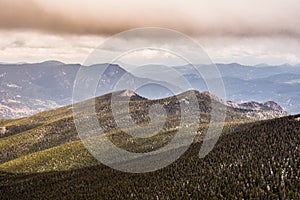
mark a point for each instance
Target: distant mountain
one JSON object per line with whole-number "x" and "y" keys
{"x": 30, "y": 88}
{"x": 254, "y": 83}
{"x": 26, "y": 89}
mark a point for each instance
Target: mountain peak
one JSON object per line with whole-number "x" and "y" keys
{"x": 274, "y": 106}
{"x": 52, "y": 62}
{"x": 127, "y": 93}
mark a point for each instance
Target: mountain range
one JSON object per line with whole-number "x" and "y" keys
{"x": 27, "y": 89}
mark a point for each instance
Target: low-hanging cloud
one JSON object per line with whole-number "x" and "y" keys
{"x": 208, "y": 18}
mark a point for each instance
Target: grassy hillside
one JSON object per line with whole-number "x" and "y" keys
{"x": 42, "y": 157}
{"x": 44, "y": 136}
{"x": 258, "y": 161}
{"x": 56, "y": 127}
{"x": 71, "y": 155}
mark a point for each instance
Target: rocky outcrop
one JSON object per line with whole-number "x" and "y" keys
{"x": 3, "y": 130}
{"x": 274, "y": 106}
{"x": 260, "y": 111}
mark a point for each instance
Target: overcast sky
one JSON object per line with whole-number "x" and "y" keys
{"x": 244, "y": 31}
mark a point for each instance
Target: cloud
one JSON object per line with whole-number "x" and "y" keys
{"x": 197, "y": 18}
{"x": 36, "y": 47}
{"x": 22, "y": 46}
{"x": 28, "y": 14}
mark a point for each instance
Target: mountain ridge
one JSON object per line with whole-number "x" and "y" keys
{"x": 30, "y": 88}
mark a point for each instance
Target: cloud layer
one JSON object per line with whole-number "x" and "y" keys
{"x": 200, "y": 18}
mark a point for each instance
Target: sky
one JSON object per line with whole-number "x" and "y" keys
{"x": 244, "y": 31}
